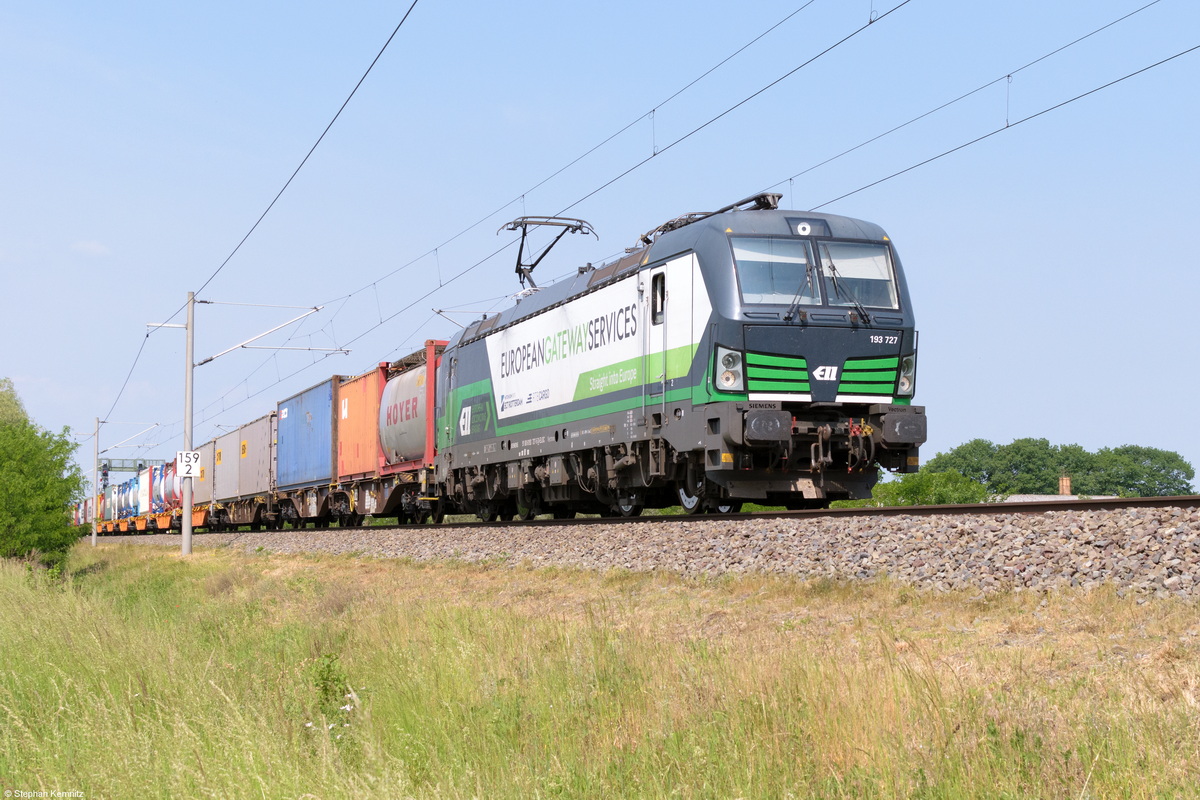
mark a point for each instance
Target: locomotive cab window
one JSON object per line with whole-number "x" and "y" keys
{"x": 658, "y": 298}
{"x": 858, "y": 273}
{"x": 775, "y": 270}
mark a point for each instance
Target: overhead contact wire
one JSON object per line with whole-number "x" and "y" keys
{"x": 320, "y": 138}
{"x": 737, "y": 105}
{"x": 1008, "y": 126}
{"x": 588, "y": 152}
{"x": 279, "y": 194}
{"x": 1006, "y": 76}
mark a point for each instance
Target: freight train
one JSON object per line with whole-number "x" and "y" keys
{"x": 746, "y": 354}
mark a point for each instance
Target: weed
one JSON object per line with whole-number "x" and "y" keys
{"x": 329, "y": 679}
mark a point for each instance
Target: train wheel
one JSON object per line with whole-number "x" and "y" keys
{"x": 628, "y": 508}
{"x": 529, "y": 505}
{"x": 731, "y": 507}
{"x": 690, "y": 503}
{"x": 564, "y": 513}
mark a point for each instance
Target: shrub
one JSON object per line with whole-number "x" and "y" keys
{"x": 38, "y": 485}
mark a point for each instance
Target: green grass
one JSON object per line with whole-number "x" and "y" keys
{"x": 143, "y": 674}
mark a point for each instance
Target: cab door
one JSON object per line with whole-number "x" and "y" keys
{"x": 667, "y": 326}
{"x": 654, "y": 370}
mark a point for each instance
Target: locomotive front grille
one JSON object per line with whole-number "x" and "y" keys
{"x": 859, "y": 376}
{"x": 869, "y": 376}
{"x": 771, "y": 373}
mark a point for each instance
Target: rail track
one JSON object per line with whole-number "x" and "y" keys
{"x": 1034, "y": 507}
{"x": 1150, "y": 546}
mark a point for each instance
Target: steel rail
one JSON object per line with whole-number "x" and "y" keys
{"x": 993, "y": 509}
{"x": 984, "y": 509}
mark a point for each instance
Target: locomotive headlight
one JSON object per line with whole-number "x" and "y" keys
{"x": 908, "y": 369}
{"x": 729, "y": 378}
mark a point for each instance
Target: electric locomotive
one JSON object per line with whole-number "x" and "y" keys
{"x": 750, "y": 353}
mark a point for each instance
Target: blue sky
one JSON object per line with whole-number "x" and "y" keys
{"x": 1052, "y": 266}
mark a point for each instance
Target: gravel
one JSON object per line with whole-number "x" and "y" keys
{"x": 1152, "y": 551}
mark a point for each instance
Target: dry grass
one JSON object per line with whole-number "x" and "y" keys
{"x": 511, "y": 681}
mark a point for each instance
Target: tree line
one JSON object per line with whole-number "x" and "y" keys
{"x": 980, "y": 471}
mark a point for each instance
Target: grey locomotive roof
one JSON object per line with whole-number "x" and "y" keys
{"x": 704, "y": 233}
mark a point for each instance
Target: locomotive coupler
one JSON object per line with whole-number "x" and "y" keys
{"x": 862, "y": 446}
{"x": 821, "y": 456}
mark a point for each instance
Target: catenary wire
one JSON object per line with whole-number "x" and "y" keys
{"x": 520, "y": 197}
{"x": 128, "y": 375}
{"x": 736, "y": 105}
{"x": 961, "y": 97}
{"x": 312, "y": 149}
{"x": 279, "y": 194}
{"x": 1009, "y": 126}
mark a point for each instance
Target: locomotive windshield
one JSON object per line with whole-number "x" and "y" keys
{"x": 773, "y": 269}
{"x": 857, "y": 274}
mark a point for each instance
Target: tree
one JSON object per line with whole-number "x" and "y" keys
{"x": 1135, "y": 471}
{"x": 1034, "y": 466}
{"x": 972, "y": 460}
{"x": 38, "y": 484}
{"x": 11, "y": 409}
{"x": 924, "y": 488}
{"x": 1027, "y": 466}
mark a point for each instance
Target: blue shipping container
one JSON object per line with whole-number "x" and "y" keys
{"x": 304, "y": 449}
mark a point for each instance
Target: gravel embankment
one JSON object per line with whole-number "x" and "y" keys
{"x": 1154, "y": 551}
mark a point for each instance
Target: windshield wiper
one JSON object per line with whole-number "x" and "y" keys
{"x": 794, "y": 306}
{"x": 837, "y": 287}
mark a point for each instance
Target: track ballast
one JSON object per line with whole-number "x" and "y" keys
{"x": 1145, "y": 545}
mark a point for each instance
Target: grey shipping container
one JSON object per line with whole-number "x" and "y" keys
{"x": 110, "y": 503}
{"x": 202, "y": 487}
{"x": 225, "y": 467}
{"x": 304, "y": 450}
{"x": 257, "y": 456}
